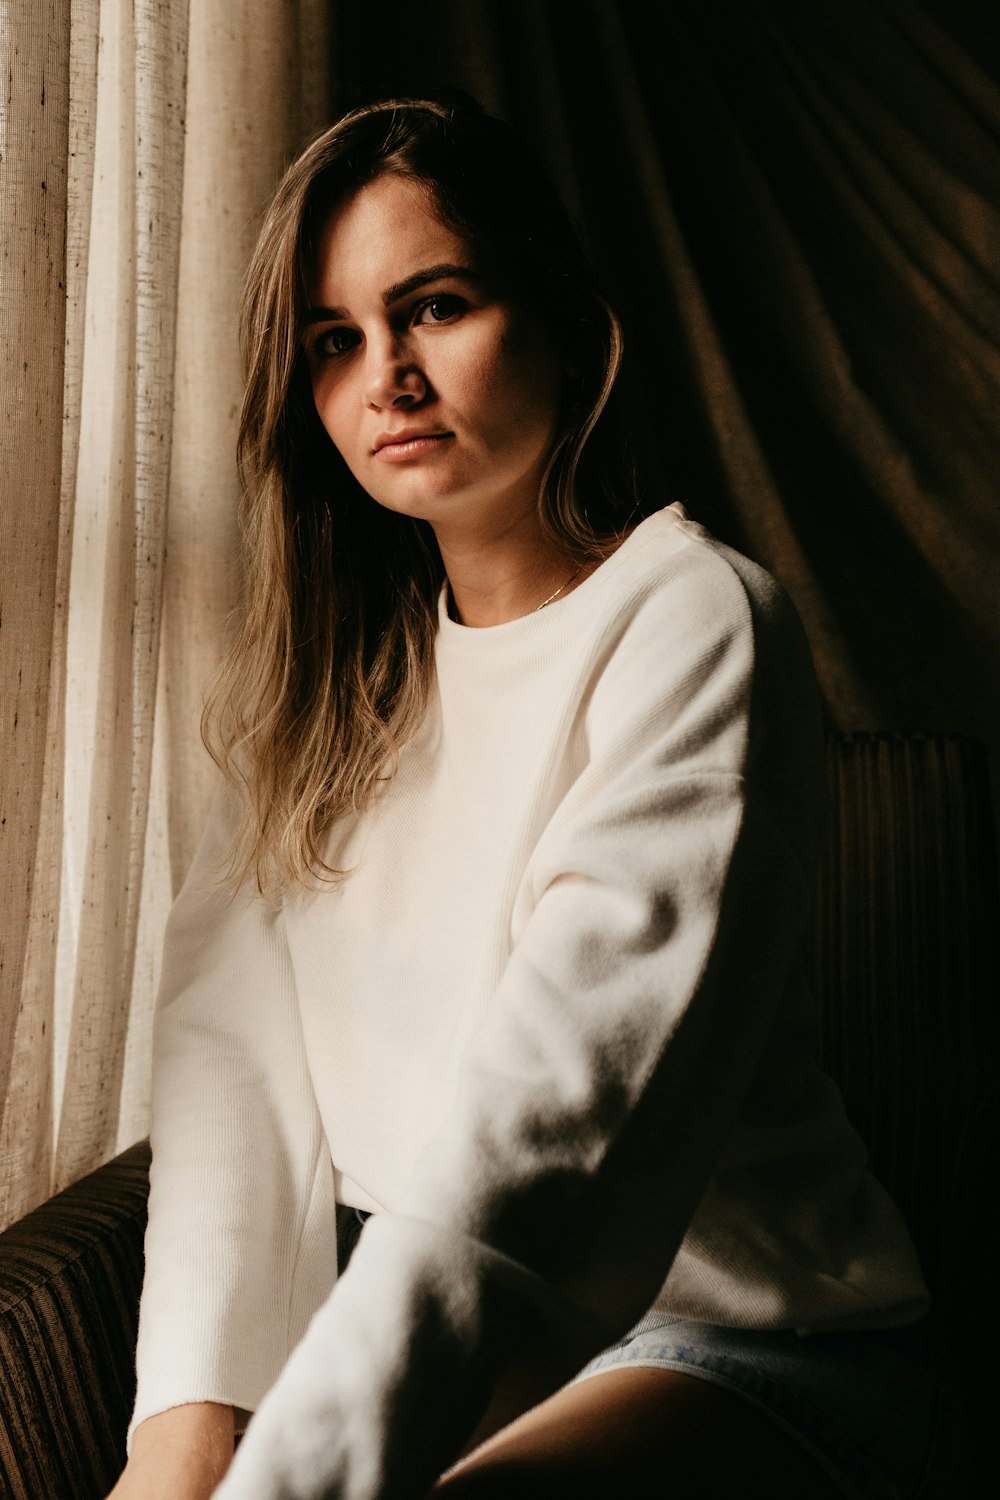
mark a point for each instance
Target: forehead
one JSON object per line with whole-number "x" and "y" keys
{"x": 378, "y": 236}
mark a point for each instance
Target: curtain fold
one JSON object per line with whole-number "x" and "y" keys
{"x": 841, "y": 220}
{"x": 752, "y": 490}
{"x": 140, "y": 140}
{"x": 122, "y": 478}
{"x": 35, "y": 124}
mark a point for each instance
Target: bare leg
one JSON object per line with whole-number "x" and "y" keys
{"x": 640, "y": 1432}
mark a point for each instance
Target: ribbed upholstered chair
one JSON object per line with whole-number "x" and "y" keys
{"x": 906, "y": 967}
{"x": 904, "y": 954}
{"x": 70, "y": 1276}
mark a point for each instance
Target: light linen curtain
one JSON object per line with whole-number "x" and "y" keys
{"x": 139, "y": 141}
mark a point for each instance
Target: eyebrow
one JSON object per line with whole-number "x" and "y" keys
{"x": 398, "y": 290}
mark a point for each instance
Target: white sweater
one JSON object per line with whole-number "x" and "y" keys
{"x": 553, "y": 1029}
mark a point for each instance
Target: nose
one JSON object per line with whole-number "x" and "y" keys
{"x": 392, "y": 376}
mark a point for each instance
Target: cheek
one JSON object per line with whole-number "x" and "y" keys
{"x": 331, "y": 407}
{"x": 516, "y": 387}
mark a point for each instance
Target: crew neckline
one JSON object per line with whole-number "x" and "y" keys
{"x": 536, "y": 620}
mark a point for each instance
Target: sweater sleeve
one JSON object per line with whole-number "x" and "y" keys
{"x": 241, "y": 1244}
{"x": 655, "y": 930}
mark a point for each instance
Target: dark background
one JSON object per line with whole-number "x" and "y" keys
{"x": 795, "y": 204}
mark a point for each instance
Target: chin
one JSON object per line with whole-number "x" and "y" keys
{"x": 425, "y": 506}
{"x": 417, "y": 510}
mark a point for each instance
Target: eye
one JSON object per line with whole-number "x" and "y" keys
{"x": 439, "y": 309}
{"x": 335, "y": 341}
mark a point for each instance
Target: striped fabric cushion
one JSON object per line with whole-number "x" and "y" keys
{"x": 905, "y": 963}
{"x": 70, "y": 1275}
{"x": 905, "y": 966}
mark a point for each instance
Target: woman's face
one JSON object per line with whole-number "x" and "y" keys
{"x": 440, "y": 394}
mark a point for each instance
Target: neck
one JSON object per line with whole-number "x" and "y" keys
{"x": 498, "y": 580}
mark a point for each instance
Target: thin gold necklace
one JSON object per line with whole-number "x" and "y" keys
{"x": 453, "y": 608}
{"x": 575, "y": 574}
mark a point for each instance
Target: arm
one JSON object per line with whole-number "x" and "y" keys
{"x": 654, "y": 933}
{"x": 240, "y": 1247}
{"x": 180, "y": 1454}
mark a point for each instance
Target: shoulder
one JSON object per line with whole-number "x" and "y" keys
{"x": 682, "y": 605}
{"x": 673, "y": 569}
{"x": 702, "y": 652}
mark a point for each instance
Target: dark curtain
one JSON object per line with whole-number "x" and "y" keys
{"x": 796, "y": 207}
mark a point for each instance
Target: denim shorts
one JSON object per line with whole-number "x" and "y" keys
{"x": 873, "y": 1408}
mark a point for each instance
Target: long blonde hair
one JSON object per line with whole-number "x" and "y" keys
{"x": 329, "y": 669}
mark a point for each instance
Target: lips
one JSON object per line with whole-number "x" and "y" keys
{"x": 397, "y": 444}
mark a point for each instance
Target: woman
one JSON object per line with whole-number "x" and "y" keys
{"x": 516, "y": 858}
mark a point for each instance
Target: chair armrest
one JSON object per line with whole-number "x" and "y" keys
{"x": 70, "y": 1277}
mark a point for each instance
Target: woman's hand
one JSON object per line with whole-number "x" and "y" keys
{"x": 180, "y": 1454}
